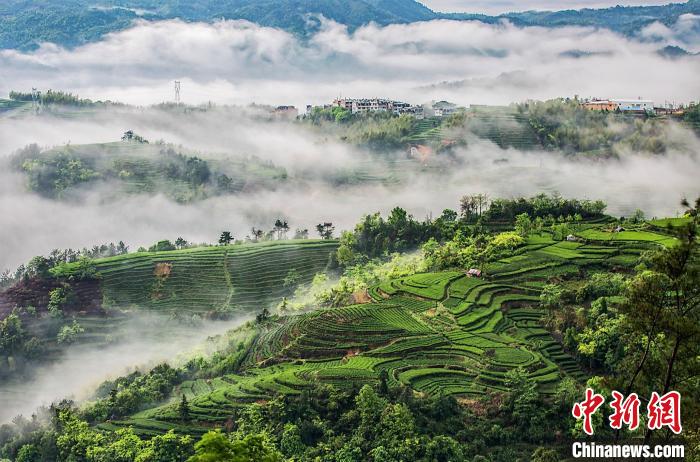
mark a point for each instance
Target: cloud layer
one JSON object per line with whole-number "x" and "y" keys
{"x": 239, "y": 62}
{"x": 33, "y": 225}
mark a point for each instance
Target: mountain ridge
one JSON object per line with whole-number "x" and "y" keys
{"x": 24, "y": 25}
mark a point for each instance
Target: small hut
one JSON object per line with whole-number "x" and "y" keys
{"x": 474, "y": 273}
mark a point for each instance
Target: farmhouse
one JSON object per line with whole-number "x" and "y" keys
{"x": 600, "y": 105}
{"x": 638, "y": 106}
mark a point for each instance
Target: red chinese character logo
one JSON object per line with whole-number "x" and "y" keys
{"x": 587, "y": 408}
{"x": 665, "y": 411}
{"x": 625, "y": 411}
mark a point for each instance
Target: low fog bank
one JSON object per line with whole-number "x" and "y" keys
{"x": 34, "y": 225}
{"x": 144, "y": 341}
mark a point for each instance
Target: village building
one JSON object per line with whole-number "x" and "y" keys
{"x": 635, "y": 105}
{"x": 600, "y": 105}
{"x": 376, "y": 105}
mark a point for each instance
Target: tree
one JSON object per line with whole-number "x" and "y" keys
{"x": 256, "y": 234}
{"x": 12, "y": 334}
{"x": 664, "y": 307}
{"x": 167, "y": 448}
{"x": 637, "y": 217}
{"x": 216, "y": 447}
{"x": 263, "y": 316}
{"x": 325, "y": 230}
{"x": 180, "y": 243}
{"x": 162, "y": 246}
{"x": 545, "y": 455}
{"x": 523, "y": 224}
{"x": 281, "y": 228}
{"x": 301, "y": 233}
{"x": 225, "y": 238}
{"x": 183, "y": 409}
{"x": 70, "y": 333}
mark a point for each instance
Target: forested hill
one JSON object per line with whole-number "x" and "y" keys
{"x": 627, "y": 20}
{"x": 24, "y": 23}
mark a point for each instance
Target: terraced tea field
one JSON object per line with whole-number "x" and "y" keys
{"x": 244, "y": 277}
{"x": 440, "y": 333}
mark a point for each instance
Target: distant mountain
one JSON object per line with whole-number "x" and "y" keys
{"x": 627, "y": 20}
{"x": 26, "y": 23}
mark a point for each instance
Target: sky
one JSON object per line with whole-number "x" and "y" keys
{"x": 494, "y": 7}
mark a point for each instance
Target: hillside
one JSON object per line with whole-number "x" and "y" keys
{"x": 396, "y": 349}
{"x": 23, "y": 24}
{"x": 439, "y": 333}
{"x": 205, "y": 282}
{"x": 131, "y": 167}
{"x": 75, "y": 22}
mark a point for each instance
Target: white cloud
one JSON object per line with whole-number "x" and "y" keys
{"x": 685, "y": 33}
{"x": 238, "y": 62}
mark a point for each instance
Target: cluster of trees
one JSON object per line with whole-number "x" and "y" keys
{"x": 322, "y": 423}
{"x": 58, "y": 433}
{"x": 129, "y": 394}
{"x": 51, "y": 176}
{"x": 58, "y": 172}
{"x": 335, "y": 114}
{"x": 130, "y": 136}
{"x": 566, "y": 125}
{"x": 543, "y": 206}
{"x": 52, "y": 97}
{"x": 639, "y": 330}
{"x": 379, "y": 130}
{"x": 23, "y": 341}
{"x": 16, "y": 344}
{"x": 377, "y": 237}
{"x": 44, "y": 266}
{"x": 280, "y": 231}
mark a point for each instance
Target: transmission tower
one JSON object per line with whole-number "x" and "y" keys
{"x": 36, "y": 100}
{"x": 177, "y": 92}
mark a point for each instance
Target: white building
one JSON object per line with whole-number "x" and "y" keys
{"x": 443, "y": 108}
{"x": 376, "y": 105}
{"x": 634, "y": 105}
